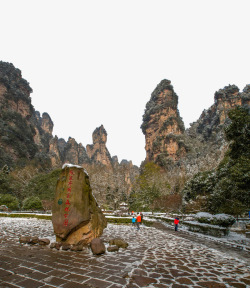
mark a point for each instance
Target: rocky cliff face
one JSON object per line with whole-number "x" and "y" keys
{"x": 20, "y": 129}
{"x": 14, "y": 90}
{"x": 27, "y": 136}
{"x": 205, "y": 138}
{"x": 162, "y": 126}
{"x": 199, "y": 148}
{"x": 214, "y": 118}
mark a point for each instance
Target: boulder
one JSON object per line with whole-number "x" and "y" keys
{"x": 77, "y": 247}
{"x": 52, "y": 245}
{"x": 113, "y": 248}
{"x": 97, "y": 246}
{"x": 66, "y": 246}
{"x": 44, "y": 241}
{"x": 56, "y": 245}
{"x": 34, "y": 240}
{"x": 24, "y": 239}
{"x": 76, "y": 216}
{"x": 118, "y": 242}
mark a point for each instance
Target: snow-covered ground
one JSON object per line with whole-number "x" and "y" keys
{"x": 12, "y": 228}
{"x": 153, "y": 255}
{"x": 44, "y": 228}
{"x": 233, "y": 239}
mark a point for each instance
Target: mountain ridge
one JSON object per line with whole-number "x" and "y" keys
{"x": 26, "y": 137}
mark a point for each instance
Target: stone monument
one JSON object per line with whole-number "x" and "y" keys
{"x": 76, "y": 216}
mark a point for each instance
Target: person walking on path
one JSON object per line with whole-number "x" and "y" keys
{"x": 138, "y": 221}
{"x": 141, "y": 217}
{"x": 176, "y": 223}
{"x": 133, "y": 221}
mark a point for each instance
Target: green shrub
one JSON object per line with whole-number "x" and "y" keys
{"x": 43, "y": 185}
{"x": 32, "y": 203}
{"x": 10, "y": 201}
{"x": 223, "y": 220}
{"x": 203, "y": 217}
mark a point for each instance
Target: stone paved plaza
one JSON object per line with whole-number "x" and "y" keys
{"x": 154, "y": 258}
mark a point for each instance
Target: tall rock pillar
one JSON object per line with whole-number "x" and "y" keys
{"x": 162, "y": 126}
{"x": 98, "y": 152}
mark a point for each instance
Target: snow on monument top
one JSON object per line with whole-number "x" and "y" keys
{"x": 74, "y": 166}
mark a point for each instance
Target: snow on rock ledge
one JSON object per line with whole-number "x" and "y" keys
{"x": 72, "y": 166}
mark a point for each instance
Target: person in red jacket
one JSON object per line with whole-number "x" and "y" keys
{"x": 176, "y": 222}
{"x": 138, "y": 221}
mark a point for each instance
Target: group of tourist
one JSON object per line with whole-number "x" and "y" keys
{"x": 137, "y": 220}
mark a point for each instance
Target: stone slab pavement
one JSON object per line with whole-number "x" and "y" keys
{"x": 154, "y": 258}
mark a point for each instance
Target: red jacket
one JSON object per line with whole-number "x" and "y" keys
{"x": 138, "y": 219}
{"x": 176, "y": 221}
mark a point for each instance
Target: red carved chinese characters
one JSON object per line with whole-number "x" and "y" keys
{"x": 66, "y": 209}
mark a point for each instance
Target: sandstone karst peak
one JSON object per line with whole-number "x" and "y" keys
{"x": 99, "y": 135}
{"x": 162, "y": 125}
{"x": 98, "y": 151}
{"x": 47, "y": 124}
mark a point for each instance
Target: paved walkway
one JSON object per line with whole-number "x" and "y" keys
{"x": 154, "y": 258}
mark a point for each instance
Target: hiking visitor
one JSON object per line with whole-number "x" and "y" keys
{"x": 141, "y": 217}
{"x": 133, "y": 221}
{"x": 138, "y": 221}
{"x": 176, "y": 222}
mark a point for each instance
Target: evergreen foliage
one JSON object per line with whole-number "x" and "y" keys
{"x": 10, "y": 201}
{"x": 149, "y": 186}
{"x": 32, "y": 203}
{"x": 43, "y": 185}
{"x": 227, "y": 188}
{"x": 8, "y": 184}
{"x": 17, "y": 134}
{"x": 223, "y": 220}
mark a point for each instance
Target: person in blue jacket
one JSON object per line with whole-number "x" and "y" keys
{"x": 133, "y": 221}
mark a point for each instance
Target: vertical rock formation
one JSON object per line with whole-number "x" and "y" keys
{"x": 162, "y": 125}
{"x": 83, "y": 157}
{"x": 74, "y": 153}
{"x": 14, "y": 90}
{"x": 44, "y": 128}
{"x": 54, "y": 152}
{"x": 47, "y": 124}
{"x": 183, "y": 153}
{"x": 212, "y": 120}
{"x": 98, "y": 151}
{"x": 26, "y": 135}
{"x": 17, "y": 133}
{"x": 71, "y": 152}
{"x": 205, "y": 138}
{"x": 76, "y": 217}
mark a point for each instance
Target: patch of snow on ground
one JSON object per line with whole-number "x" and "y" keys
{"x": 16, "y": 227}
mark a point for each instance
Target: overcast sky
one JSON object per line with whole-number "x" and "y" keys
{"x": 97, "y": 62}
